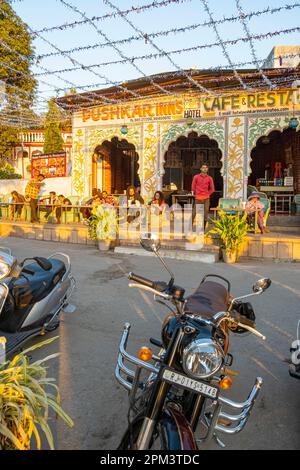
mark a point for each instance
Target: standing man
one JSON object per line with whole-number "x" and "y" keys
{"x": 203, "y": 187}
{"x": 32, "y": 193}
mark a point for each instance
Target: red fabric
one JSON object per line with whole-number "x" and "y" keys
{"x": 203, "y": 186}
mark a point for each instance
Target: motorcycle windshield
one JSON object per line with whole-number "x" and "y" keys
{"x": 3, "y": 295}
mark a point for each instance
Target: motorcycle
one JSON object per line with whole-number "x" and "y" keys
{"x": 175, "y": 393}
{"x": 32, "y": 296}
{"x": 294, "y": 369}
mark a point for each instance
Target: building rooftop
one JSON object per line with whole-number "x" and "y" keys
{"x": 205, "y": 80}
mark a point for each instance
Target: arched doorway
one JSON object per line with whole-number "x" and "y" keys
{"x": 184, "y": 158}
{"x": 115, "y": 166}
{"x": 276, "y": 156}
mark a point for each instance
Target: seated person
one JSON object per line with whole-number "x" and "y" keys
{"x": 86, "y": 211}
{"x": 158, "y": 202}
{"x": 50, "y": 201}
{"x": 134, "y": 199}
{"x": 106, "y": 199}
{"x": 19, "y": 199}
{"x": 254, "y": 206}
{"x": 97, "y": 200}
{"x": 62, "y": 201}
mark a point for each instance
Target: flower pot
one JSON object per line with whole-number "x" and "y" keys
{"x": 104, "y": 245}
{"x": 229, "y": 257}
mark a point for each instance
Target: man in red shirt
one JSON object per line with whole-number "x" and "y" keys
{"x": 203, "y": 186}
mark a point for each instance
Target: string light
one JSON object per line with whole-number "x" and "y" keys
{"x": 102, "y": 34}
{"x": 257, "y": 37}
{"x": 165, "y": 33}
{"x": 247, "y": 31}
{"x": 222, "y": 45}
{"x": 82, "y": 66}
{"x": 191, "y": 77}
{"x": 160, "y": 51}
{"x": 134, "y": 9}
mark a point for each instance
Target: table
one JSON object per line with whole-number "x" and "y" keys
{"x": 227, "y": 209}
{"x": 282, "y": 203}
{"x": 182, "y": 198}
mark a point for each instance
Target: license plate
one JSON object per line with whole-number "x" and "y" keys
{"x": 190, "y": 384}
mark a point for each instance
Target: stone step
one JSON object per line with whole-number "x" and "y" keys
{"x": 284, "y": 220}
{"x": 284, "y": 229}
{"x": 179, "y": 254}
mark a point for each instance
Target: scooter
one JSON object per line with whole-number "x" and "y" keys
{"x": 32, "y": 296}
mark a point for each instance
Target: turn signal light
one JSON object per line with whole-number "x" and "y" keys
{"x": 145, "y": 354}
{"x": 225, "y": 383}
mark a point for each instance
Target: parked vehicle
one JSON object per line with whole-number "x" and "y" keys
{"x": 32, "y": 296}
{"x": 295, "y": 350}
{"x": 181, "y": 390}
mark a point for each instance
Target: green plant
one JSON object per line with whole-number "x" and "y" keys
{"x": 7, "y": 172}
{"x": 104, "y": 223}
{"x": 25, "y": 402}
{"x": 231, "y": 229}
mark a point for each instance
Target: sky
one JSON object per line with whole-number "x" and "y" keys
{"x": 48, "y": 13}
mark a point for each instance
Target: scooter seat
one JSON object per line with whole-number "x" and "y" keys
{"x": 207, "y": 300}
{"x": 35, "y": 283}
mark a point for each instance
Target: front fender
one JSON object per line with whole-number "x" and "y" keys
{"x": 177, "y": 431}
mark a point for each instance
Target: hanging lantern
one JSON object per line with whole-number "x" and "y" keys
{"x": 124, "y": 130}
{"x": 293, "y": 123}
{"x": 265, "y": 140}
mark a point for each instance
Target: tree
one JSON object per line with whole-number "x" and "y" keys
{"x": 16, "y": 57}
{"x": 54, "y": 142}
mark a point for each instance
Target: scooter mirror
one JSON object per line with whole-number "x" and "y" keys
{"x": 262, "y": 285}
{"x": 150, "y": 242}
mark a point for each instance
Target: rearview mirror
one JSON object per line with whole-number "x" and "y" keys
{"x": 150, "y": 242}
{"x": 262, "y": 285}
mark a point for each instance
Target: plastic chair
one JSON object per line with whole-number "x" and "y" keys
{"x": 297, "y": 203}
{"x": 229, "y": 204}
{"x": 253, "y": 222}
{"x": 5, "y": 205}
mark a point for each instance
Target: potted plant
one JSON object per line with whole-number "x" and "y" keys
{"x": 104, "y": 226}
{"x": 231, "y": 229}
{"x": 26, "y": 401}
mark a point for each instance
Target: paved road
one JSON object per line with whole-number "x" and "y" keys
{"x": 89, "y": 338}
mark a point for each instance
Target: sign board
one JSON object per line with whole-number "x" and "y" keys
{"x": 189, "y": 106}
{"x": 289, "y": 181}
{"x": 50, "y": 165}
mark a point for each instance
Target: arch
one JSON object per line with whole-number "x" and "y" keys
{"x": 213, "y": 129}
{"x": 115, "y": 165}
{"x": 262, "y": 127}
{"x": 276, "y": 147}
{"x": 96, "y": 137}
{"x": 185, "y": 156}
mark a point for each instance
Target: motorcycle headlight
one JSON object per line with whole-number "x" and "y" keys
{"x": 4, "y": 269}
{"x": 202, "y": 358}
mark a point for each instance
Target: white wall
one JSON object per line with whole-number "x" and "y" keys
{"x": 59, "y": 185}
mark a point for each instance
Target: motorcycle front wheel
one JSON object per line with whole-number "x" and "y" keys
{"x": 171, "y": 433}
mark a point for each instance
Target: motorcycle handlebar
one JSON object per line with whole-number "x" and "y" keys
{"x": 160, "y": 286}
{"x": 141, "y": 280}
